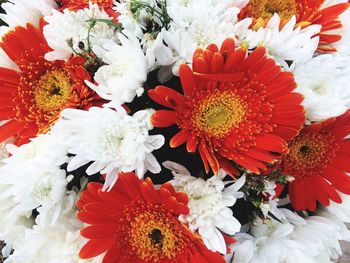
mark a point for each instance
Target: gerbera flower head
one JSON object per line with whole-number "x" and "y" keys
{"x": 319, "y": 160}
{"x": 33, "y": 96}
{"x": 307, "y": 12}
{"x": 234, "y": 108}
{"x": 80, "y": 4}
{"x": 136, "y": 223}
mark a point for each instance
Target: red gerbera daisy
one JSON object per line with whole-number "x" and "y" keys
{"x": 74, "y": 5}
{"x": 318, "y": 160}
{"x": 136, "y": 223}
{"x": 307, "y": 12}
{"x": 235, "y": 107}
{"x": 33, "y": 96}
{"x": 79, "y": 4}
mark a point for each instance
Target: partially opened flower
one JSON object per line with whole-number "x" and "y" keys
{"x": 136, "y": 223}
{"x": 319, "y": 160}
{"x": 33, "y": 96}
{"x": 307, "y": 12}
{"x": 234, "y": 108}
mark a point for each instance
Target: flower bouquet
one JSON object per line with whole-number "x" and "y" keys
{"x": 174, "y": 131}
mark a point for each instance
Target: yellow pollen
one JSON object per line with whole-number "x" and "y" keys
{"x": 263, "y": 10}
{"x": 219, "y": 113}
{"x": 154, "y": 236}
{"x": 52, "y": 90}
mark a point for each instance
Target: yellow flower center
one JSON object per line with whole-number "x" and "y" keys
{"x": 52, "y": 90}
{"x": 154, "y": 236}
{"x": 263, "y": 10}
{"x": 219, "y": 113}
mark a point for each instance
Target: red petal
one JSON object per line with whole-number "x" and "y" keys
{"x": 179, "y": 138}
{"x": 95, "y": 247}
{"x": 103, "y": 231}
{"x": 164, "y": 118}
{"x": 187, "y": 78}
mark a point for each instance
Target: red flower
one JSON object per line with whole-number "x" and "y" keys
{"x": 235, "y": 108}
{"x": 319, "y": 160}
{"x": 33, "y": 96}
{"x": 80, "y": 4}
{"x": 136, "y": 223}
{"x": 307, "y": 12}
{"x": 75, "y": 5}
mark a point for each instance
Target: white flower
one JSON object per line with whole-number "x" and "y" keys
{"x": 114, "y": 141}
{"x": 73, "y": 27}
{"x": 286, "y": 44}
{"x": 21, "y": 12}
{"x": 314, "y": 239}
{"x": 323, "y": 81}
{"x": 56, "y": 243}
{"x": 135, "y": 22}
{"x": 209, "y": 203}
{"x": 269, "y": 242}
{"x": 31, "y": 177}
{"x": 121, "y": 79}
{"x": 12, "y": 228}
{"x": 322, "y": 234}
{"x": 342, "y": 210}
{"x": 38, "y": 154}
{"x": 196, "y": 25}
{"x": 35, "y": 187}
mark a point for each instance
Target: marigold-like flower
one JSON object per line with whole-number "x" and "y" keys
{"x": 33, "y": 96}
{"x": 234, "y": 108}
{"x": 319, "y": 160}
{"x": 307, "y": 12}
{"x": 136, "y": 223}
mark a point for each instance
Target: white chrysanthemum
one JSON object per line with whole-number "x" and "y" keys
{"x": 132, "y": 22}
{"x": 324, "y": 82}
{"x": 293, "y": 240}
{"x": 12, "y": 228}
{"x": 38, "y": 153}
{"x": 322, "y": 234}
{"x": 196, "y": 25}
{"x": 35, "y": 187}
{"x": 31, "y": 177}
{"x": 270, "y": 242}
{"x": 56, "y": 243}
{"x": 73, "y": 27}
{"x": 121, "y": 79}
{"x": 21, "y": 12}
{"x": 286, "y": 44}
{"x": 209, "y": 204}
{"x": 341, "y": 211}
{"x": 112, "y": 140}
{"x": 36, "y": 177}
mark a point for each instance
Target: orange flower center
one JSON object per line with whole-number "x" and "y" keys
{"x": 154, "y": 236}
{"x": 52, "y": 90}
{"x": 263, "y": 10}
{"x": 219, "y": 113}
{"x": 310, "y": 153}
